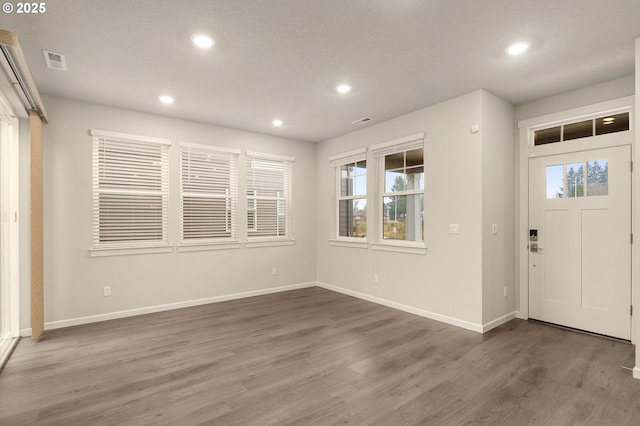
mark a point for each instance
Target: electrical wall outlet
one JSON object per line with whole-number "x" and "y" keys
{"x": 106, "y": 291}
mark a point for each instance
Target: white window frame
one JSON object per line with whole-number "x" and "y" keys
{"x": 10, "y": 235}
{"x": 381, "y": 150}
{"x": 210, "y": 242}
{"x": 336, "y": 162}
{"x": 285, "y": 198}
{"x": 132, "y": 246}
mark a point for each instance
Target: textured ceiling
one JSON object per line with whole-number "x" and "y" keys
{"x": 283, "y": 58}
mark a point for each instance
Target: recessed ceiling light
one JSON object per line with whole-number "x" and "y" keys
{"x": 166, "y": 99}
{"x": 277, "y": 123}
{"x": 203, "y": 41}
{"x": 343, "y": 88}
{"x": 518, "y": 48}
{"x": 608, "y": 120}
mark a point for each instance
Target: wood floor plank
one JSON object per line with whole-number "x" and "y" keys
{"x": 315, "y": 357}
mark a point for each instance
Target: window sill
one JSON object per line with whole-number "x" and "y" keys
{"x": 269, "y": 243}
{"x": 227, "y": 245}
{"x": 359, "y": 243}
{"x": 126, "y": 251}
{"x": 401, "y": 248}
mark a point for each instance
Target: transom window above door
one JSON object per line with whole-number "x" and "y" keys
{"x": 602, "y": 125}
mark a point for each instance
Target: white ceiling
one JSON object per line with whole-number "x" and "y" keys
{"x": 283, "y": 58}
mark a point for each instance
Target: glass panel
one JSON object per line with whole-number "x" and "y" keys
{"x": 346, "y": 180}
{"x": 394, "y": 161}
{"x": 597, "y": 178}
{"x": 403, "y": 218}
{"x": 352, "y": 218}
{"x": 555, "y": 184}
{"x": 361, "y": 168}
{"x": 575, "y": 180}
{"x": 545, "y": 136}
{"x": 415, "y": 178}
{"x": 612, "y": 123}
{"x": 360, "y": 185}
{"x": 583, "y": 129}
{"x": 415, "y": 157}
{"x": 394, "y": 181}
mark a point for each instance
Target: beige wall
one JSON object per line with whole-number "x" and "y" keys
{"x": 74, "y": 280}
{"x": 498, "y": 207}
{"x": 447, "y": 282}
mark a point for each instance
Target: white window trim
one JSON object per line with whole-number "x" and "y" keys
{"x": 130, "y": 248}
{"x": 380, "y": 150}
{"x": 336, "y": 162}
{"x": 213, "y": 243}
{"x": 270, "y": 241}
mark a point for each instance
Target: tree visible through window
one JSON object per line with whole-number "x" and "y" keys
{"x": 403, "y": 198}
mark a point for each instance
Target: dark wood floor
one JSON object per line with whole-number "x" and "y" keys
{"x": 310, "y": 357}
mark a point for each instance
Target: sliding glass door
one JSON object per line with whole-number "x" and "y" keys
{"x": 9, "y": 247}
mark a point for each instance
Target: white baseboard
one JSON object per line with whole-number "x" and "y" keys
{"x": 521, "y": 315}
{"x": 636, "y": 372}
{"x": 412, "y": 310}
{"x": 52, "y": 325}
{"x": 498, "y": 321}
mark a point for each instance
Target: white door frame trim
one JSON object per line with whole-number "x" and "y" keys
{"x": 526, "y": 150}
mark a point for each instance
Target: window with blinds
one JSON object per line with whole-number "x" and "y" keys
{"x": 130, "y": 190}
{"x": 208, "y": 194}
{"x": 269, "y": 196}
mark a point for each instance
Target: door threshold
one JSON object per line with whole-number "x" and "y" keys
{"x": 577, "y": 330}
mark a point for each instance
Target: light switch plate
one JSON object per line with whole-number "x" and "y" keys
{"x": 454, "y": 228}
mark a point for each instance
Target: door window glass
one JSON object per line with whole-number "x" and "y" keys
{"x": 597, "y": 178}
{"x": 555, "y": 181}
{"x": 575, "y": 180}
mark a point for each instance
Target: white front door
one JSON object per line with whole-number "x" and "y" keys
{"x": 580, "y": 240}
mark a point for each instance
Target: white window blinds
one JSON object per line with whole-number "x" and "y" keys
{"x": 208, "y": 194}
{"x": 130, "y": 190}
{"x": 269, "y": 196}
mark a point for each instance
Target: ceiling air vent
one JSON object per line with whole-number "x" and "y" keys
{"x": 362, "y": 120}
{"x": 55, "y": 60}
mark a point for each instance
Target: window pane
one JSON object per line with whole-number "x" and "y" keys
{"x": 360, "y": 185}
{"x": 267, "y": 218}
{"x": 346, "y": 180}
{"x": 575, "y": 180}
{"x": 130, "y": 218}
{"x": 403, "y": 218}
{"x": 394, "y": 161}
{"x": 612, "y": 124}
{"x": 415, "y": 178}
{"x": 545, "y": 136}
{"x": 352, "y": 216}
{"x": 598, "y": 178}
{"x": 206, "y": 217}
{"x": 361, "y": 168}
{"x": 415, "y": 157}
{"x": 394, "y": 181}
{"x": 555, "y": 184}
{"x": 583, "y": 129}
